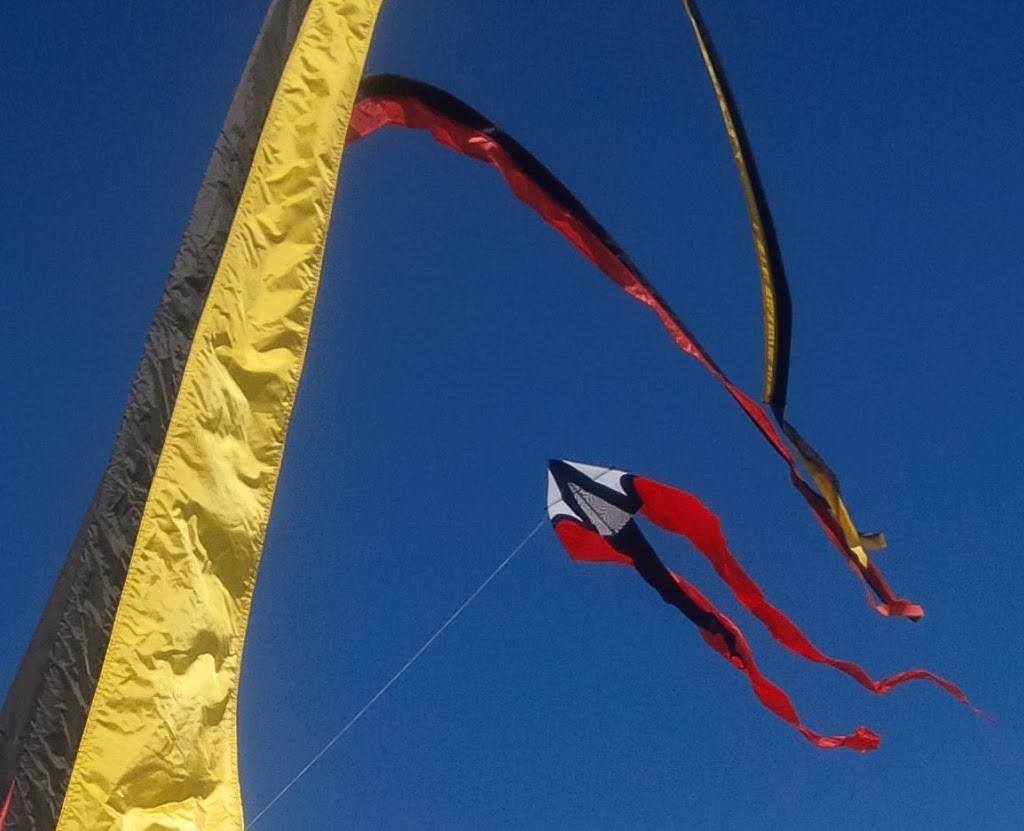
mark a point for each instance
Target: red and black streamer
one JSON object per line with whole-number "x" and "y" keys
{"x": 392, "y": 100}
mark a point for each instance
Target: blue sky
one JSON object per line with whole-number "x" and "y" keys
{"x": 459, "y": 344}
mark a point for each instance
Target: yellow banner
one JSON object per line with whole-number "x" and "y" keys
{"x": 159, "y": 747}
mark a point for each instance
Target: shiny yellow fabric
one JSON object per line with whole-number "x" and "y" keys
{"x": 820, "y": 472}
{"x": 858, "y": 543}
{"x": 764, "y": 265}
{"x": 159, "y": 748}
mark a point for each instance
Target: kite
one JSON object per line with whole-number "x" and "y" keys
{"x": 391, "y": 100}
{"x": 594, "y": 510}
{"x": 122, "y": 713}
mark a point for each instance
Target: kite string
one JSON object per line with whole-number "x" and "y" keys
{"x": 454, "y": 616}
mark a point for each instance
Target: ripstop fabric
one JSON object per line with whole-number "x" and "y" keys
{"x": 45, "y": 708}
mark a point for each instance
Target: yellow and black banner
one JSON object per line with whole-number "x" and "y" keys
{"x": 122, "y": 713}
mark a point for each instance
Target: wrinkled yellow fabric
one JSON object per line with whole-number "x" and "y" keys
{"x": 159, "y": 747}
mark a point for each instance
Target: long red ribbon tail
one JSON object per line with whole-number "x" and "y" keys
{"x": 400, "y": 102}
{"x": 717, "y": 630}
{"x": 682, "y": 513}
{"x": 770, "y": 694}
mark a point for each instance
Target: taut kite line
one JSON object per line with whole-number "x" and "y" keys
{"x": 149, "y": 611}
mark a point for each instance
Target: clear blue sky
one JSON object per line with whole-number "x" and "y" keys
{"x": 459, "y": 343}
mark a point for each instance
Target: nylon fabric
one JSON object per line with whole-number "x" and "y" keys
{"x": 775, "y": 298}
{"x": 777, "y": 306}
{"x": 159, "y": 746}
{"x": 682, "y": 513}
{"x": 396, "y": 101}
{"x": 579, "y": 526}
{"x": 737, "y": 651}
{"x": 45, "y": 709}
{"x": 630, "y": 547}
